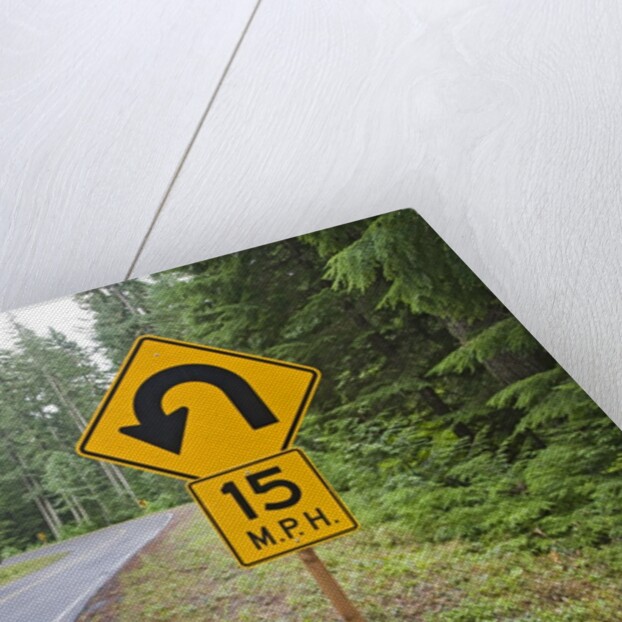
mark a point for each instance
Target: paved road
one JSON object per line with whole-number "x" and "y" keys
{"x": 58, "y": 592}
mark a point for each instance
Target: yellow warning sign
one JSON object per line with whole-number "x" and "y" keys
{"x": 188, "y": 410}
{"x": 272, "y": 507}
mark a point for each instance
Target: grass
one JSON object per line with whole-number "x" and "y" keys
{"x": 188, "y": 575}
{"x": 21, "y": 569}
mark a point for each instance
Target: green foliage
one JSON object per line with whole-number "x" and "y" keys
{"x": 527, "y": 392}
{"x": 21, "y": 569}
{"x": 388, "y": 574}
{"x": 415, "y": 266}
{"x": 505, "y": 336}
{"x": 121, "y": 315}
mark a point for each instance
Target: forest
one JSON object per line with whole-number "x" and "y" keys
{"x": 438, "y": 413}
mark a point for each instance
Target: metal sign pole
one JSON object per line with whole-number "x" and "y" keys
{"x": 330, "y": 587}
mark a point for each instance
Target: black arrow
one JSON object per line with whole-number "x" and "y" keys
{"x": 167, "y": 431}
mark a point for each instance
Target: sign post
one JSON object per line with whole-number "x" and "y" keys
{"x": 226, "y": 421}
{"x": 329, "y": 585}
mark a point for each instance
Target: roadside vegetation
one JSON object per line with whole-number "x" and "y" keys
{"x": 18, "y": 570}
{"x": 188, "y": 575}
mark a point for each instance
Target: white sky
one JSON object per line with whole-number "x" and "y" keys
{"x": 63, "y": 314}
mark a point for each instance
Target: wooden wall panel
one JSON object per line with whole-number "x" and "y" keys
{"x": 98, "y": 102}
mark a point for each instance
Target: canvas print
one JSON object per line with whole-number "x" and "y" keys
{"x": 347, "y": 425}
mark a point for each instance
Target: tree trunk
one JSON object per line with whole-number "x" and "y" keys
{"x": 48, "y": 513}
{"x": 96, "y": 498}
{"x": 113, "y": 473}
{"x": 72, "y": 508}
{"x": 115, "y": 291}
{"x": 506, "y": 367}
{"x": 124, "y": 483}
{"x": 47, "y": 518}
{"x": 80, "y": 508}
{"x": 51, "y": 511}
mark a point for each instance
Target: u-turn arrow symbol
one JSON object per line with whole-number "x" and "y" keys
{"x": 166, "y": 431}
